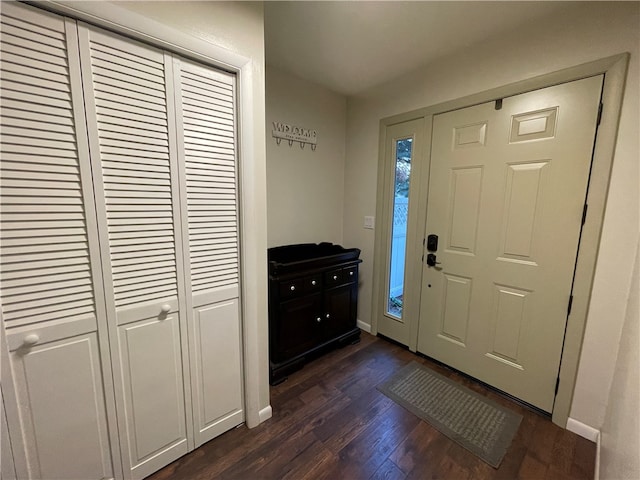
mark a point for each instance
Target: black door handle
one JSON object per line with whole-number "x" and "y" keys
{"x": 431, "y": 260}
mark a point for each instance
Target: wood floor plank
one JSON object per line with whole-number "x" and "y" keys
{"x": 428, "y": 466}
{"x": 584, "y": 461}
{"x": 388, "y": 471}
{"x": 330, "y": 422}
{"x": 414, "y": 448}
{"x": 363, "y": 455}
{"x": 563, "y": 452}
{"x": 310, "y": 463}
{"x": 532, "y": 469}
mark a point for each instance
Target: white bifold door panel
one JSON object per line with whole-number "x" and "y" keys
{"x": 120, "y": 251}
{"x": 51, "y": 286}
{"x": 131, "y": 138}
{"x": 205, "y": 103}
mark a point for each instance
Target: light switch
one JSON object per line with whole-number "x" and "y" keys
{"x": 369, "y": 222}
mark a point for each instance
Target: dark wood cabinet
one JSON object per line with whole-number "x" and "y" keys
{"x": 313, "y": 297}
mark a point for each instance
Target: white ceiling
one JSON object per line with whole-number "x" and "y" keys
{"x": 349, "y": 46}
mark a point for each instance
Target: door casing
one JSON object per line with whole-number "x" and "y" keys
{"x": 615, "y": 69}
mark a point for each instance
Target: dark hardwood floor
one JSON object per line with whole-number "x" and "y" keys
{"x": 330, "y": 422}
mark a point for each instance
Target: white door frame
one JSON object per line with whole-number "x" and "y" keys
{"x": 615, "y": 70}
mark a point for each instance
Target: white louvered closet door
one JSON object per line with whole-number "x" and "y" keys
{"x": 50, "y": 281}
{"x": 206, "y": 126}
{"x": 129, "y": 102}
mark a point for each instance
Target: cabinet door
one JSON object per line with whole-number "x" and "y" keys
{"x": 206, "y": 126}
{"x": 339, "y": 311}
{"x": 298, "y": 327}
{"x": 51, "y": 291}
{"x": 129, "y": 104}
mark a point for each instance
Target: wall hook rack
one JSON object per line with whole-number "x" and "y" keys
{"x": 292, "y": 133}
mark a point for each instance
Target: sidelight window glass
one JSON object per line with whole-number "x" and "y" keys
{"x": 395, "y": 292}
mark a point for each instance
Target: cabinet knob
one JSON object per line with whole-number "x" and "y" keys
{"x": 293, "y": 287}
{"x": 327, "y": 315}
{"x": 30, "y": 340}
{"x": 166, "y": 308}
{"x": 318, "y": 319}
{"x": 335, "y": 277}
{"x": 351, "y": 273}
{"x": 313, "y": 282}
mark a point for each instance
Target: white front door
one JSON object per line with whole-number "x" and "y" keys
{"x": 507, "y": 189}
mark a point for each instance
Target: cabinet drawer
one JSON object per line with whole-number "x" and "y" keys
{"x": 291, "y": 288}
{"x": 333, "y": 277}
{"x": 350, "y": 274}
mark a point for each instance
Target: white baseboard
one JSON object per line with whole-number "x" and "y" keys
{"x": 596, "y": 474}
{"x": 583, "y": 430}
{"x": 265, "y": 413}
{"x": 363, "y": 326}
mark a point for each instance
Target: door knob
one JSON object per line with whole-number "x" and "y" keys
{"x": 30, "y": 340}
{"x": 431, "y": 260}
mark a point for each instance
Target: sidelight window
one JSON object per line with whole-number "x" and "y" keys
{"x": 395, "y": 292}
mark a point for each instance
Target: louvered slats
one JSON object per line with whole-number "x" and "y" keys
{"x": 208, "y": 107}
{"x": 45, "y": 266}
{"x": 132, "y": 123}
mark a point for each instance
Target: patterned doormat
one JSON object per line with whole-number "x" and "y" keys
{"x": 477, "y": 423}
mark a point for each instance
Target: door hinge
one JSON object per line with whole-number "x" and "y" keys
{"x": 584, "y": 213}
{"x": 600, "y": 107}
{"x": 570, "y": 305}
{"x": 557, "y": 385}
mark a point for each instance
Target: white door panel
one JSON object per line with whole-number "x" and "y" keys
{"x": 154, "y": 392}
{"x": 217, "y": 369}
{"x": 128, "y": 91}
{"x": 62, "y": 409}
{"x": 59, "y": 386}
{"x": 506, "y": 193}
{"x": 205, "y": 107}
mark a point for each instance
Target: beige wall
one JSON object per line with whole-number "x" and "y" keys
{"x": 305, "y": 188}
{"x": 620, "y": 440}
{"x": 576, "y": 35}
